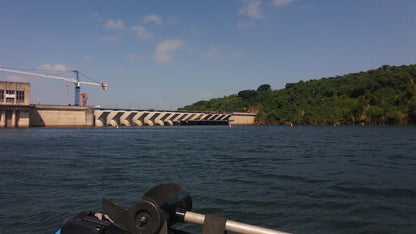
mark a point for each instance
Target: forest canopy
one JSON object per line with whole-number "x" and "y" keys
{"x": 386, "y": 95}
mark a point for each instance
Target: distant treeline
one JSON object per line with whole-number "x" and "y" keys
{"x": 386, "y": 95}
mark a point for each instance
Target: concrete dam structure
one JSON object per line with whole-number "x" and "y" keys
{"x": 15, "y": 111}
{"x": 77, "y": 116}
{"x": 168, "y": 118}
{"x": 61, "y": 116}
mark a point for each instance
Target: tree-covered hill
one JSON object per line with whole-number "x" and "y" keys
{"x": 386, "y": 95}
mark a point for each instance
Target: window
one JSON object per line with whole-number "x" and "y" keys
{"x": 20, "y": 96}
{"x": 1, "y": 95}
{"x": 10, "y": 96}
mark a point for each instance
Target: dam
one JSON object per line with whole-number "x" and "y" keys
{"x": 75, "y": 116}
{"x": 15, "y": 111}
{"x": 169, "y": 118}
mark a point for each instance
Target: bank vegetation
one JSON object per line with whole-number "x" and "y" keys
{"x": 386, "y": 95}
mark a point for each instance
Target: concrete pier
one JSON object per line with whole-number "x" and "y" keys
{"x": 14, "y": 104}
{"x": 61, "y": 116}
{"x": 242, "y": 118}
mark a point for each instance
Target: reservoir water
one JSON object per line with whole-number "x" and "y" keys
{"x": 300, "y": 179}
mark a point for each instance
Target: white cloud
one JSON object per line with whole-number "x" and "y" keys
{"x": 220, "y": 53}
{"x": 142, "y": 33}
{"x": 205, "y": 96}
{"x": 281, "y": 3}
{"x": 252, "y": 9}
{"x": 213, "y": 53}
{"x": 153, "y": 18}
{"x": 173, "y": 20}
{"x": 109, "y": 38}
{"x": 120, "y": 70}
{"x": 58, "y": 68}
{"x": 133, "y": 57}
{"x": 115, "y": 25}
{"x": 86, "y": 58}
{"x": 97, "y": 17}
{"x": 237, "y": 54}
{"x": 18, "y": 78}
{"x": 244, "y": 25}
{"x": 165, "y": 50}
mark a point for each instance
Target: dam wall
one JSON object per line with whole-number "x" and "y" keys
{"x": 105, "y": 117}
{"x": 77, "y": 116}
{"x": 61, "y": 116}
{"x": 16, "y": 111}
{"x": 242, "y": 118}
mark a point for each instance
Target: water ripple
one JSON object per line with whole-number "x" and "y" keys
{"x": 305, "y": 179}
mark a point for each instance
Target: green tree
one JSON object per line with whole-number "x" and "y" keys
{"x": 383, "y": 95}
{"x": 264, "y": 88}
{"x": 247, "y": 94}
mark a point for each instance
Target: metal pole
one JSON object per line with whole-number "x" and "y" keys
{"x": 230, "y": 225}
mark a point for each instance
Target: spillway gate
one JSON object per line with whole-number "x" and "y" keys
{"x": 161, "y": 118}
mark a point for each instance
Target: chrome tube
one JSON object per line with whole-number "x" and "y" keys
{"x": 230, "y": 225}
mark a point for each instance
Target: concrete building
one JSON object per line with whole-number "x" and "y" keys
{"x": 14, "y": 104}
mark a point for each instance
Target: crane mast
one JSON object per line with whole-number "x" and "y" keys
{"x": 77, "y": 88}
{"x": 77, "y": 83}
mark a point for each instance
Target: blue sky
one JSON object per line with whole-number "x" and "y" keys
{"x": 167, "y": 54}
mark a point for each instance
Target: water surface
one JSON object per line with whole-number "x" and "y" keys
{"x": 304, "y": 179}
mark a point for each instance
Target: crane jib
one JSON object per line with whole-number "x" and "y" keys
{"x": 38, "y": 75}
{"x": 76, "y": 82}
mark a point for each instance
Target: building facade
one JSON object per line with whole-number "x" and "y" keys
{"x": 14, "y": 104}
